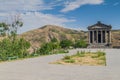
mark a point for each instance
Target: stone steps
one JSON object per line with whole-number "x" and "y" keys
{"x": 98, "y": 46}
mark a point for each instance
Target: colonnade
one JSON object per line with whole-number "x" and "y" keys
{"x": 99, "y": 36}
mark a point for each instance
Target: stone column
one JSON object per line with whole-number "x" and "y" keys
{"x": 96, "y": 36}
{"x": 89, "y": 37}
{"x": 101, "y": 36}
{"x": 105, "y": 36}
{"x": 93, "y": 37}
{"x": 110, "y": 37}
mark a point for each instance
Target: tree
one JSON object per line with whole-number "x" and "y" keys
{"x": 66, "y": 43}
{"x": 3, "y": 28}
{"x": 12, "y": 45}
{"x": 9, "y": 49}
{"x": 80, "y": 44}
{"x": 48, "y": 48}
{"x": 54, "y": 40}
{"x": 14, "y": 26}
{"x": 45, "y": 48}
{"x": 11, "y": 29}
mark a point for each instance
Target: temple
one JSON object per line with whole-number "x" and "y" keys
{"x": 99, "y": 35}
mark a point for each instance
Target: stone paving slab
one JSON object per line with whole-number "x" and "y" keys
{"x": 40, "y": 69}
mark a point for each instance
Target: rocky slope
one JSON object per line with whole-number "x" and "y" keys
{"x": 116, "y": 38}
{"x": 48, "y": 32}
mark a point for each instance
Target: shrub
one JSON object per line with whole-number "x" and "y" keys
{"x": 69, "y": 61}
{"x": 80, "y": 54}
{"x": 100, "y": 53}
{"x": 48, "y": 48}
{"x": 62, "y": 51}
{"x": 17, "y": 48}
{"x": 66, "y": 43}
{"x": 66, "y": 57}
{"x": 94, "y": 56}
{"x": 80, "y": 44}
{"x": 102, "y": 58}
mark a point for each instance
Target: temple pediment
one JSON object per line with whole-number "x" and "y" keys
{"x": 99, "y": 25}
{"x": 94, "y": 27}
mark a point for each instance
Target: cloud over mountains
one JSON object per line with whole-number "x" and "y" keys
{"x": 32, "y": 14}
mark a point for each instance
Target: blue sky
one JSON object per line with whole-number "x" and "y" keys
{"x": 76, "y": 14}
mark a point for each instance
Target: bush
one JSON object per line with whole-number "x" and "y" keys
{"x": 66, "y": 57}
{"x": 100, "y": 53}
{"x": 66, "y": 43}
{"x": 62, "y": 51}
{"x": 80, "y": 44}
{"x": 17, "y": 48}
{"x": 48, "y": 48}
{"x": 80, "y": 54}
{"x": 69, "y": 61}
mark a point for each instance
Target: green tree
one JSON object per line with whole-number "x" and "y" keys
{"x": 49, "y": 48}
{"x": 10, "y": 30}
{"x": 12, "y": 45}
{"x": 66, "y": 43}
{"x": 9, "y": 49}
{"x": 54, "y": 40}
{"x": 80, "y": 44}
{"x": 3, "y": 28}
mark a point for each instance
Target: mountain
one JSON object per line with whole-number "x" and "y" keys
{"x": 48, "y": 32}
{"x": 116, "y": 38}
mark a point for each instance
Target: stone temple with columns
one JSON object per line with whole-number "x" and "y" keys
{"x": 99, "y": 35}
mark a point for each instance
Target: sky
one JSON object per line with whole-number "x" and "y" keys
{"x": 74, "y": 14}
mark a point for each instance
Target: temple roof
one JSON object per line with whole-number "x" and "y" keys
{"x": 99, "y": 25}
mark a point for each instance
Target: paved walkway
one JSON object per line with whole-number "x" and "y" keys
{"x": 40, "y": 69}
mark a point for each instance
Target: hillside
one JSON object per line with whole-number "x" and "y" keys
{"x": 116, "y": 38}
{"x": 48, "y": 32}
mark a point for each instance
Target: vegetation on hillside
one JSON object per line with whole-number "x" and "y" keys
{"x": 44, "y": 41}
{"x": 46, "y": 33}
{"x": 13, "y": 47}
{"x": 56, "y": 46}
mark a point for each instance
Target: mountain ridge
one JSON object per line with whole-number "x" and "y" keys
{"x": 47, "y": 32}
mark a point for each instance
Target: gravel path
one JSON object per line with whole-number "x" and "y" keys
{"x": 40, "y": 69}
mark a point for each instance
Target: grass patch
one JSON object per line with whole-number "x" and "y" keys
{"x": 80, "y": 54}
{"x": 67, "y": 57}
{"x": 69, "y": 61}
{"x": 85, "y": 58}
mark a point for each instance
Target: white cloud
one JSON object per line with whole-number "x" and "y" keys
{"x": 36, "y": 20}
{"x": 30, "y": 13}
{"x": 33, "y": 20}
{"x": 22, "y": 5}
{"x": 72, "y": 5}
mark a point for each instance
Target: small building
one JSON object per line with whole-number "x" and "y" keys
{"x": 99, "y": 35}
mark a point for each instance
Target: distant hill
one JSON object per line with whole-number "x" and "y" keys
{"x": 48, "y": 32}
{"x": 116, "y": 38}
